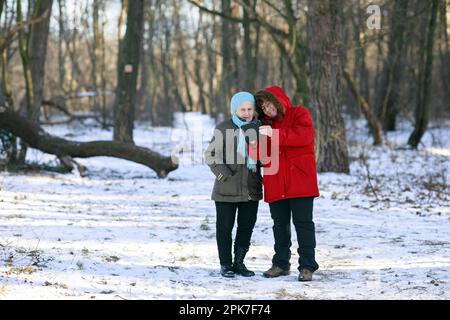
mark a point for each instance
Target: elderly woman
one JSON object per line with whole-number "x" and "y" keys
{"x": 237, "y": 187}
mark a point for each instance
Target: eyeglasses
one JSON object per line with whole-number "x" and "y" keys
{"x": 266, "y": 105}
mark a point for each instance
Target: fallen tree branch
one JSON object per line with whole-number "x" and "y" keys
{"x": 37, "y": 138}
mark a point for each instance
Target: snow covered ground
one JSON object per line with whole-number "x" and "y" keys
{"x": 383, "y": 232}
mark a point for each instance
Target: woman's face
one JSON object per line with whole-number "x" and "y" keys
{"x": 245, "y": 111}
{"x": 269, "y": 109}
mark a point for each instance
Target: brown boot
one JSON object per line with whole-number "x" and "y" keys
{"x": 275, "y": 271}
{"x": 305, "y": 275}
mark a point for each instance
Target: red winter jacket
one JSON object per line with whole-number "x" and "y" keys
{"x": 297, "y": 175}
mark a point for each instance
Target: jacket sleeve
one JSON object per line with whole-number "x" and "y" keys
{"x": 302, "y": 131}
{"x": 261, "y": 153}
{"x": 215, "y": 159}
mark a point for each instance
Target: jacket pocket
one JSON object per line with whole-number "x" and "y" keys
{"x": 229, "y": 186}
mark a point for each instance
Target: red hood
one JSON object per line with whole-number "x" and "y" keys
{"x": 281, "y": 96}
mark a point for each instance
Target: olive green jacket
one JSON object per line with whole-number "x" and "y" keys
{"x": 234, "y": 181}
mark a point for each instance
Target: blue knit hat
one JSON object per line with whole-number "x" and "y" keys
{"x": 239, "y": 98}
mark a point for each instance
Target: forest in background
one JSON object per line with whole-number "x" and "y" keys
{"x": 384, "y": 60}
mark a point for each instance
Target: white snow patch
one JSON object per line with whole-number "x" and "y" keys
{"x": 122, "y": 233}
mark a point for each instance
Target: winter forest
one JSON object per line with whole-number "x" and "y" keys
{"x": 108, "y": 106}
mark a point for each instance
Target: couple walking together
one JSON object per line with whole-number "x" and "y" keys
{"x": 265, "y": 131}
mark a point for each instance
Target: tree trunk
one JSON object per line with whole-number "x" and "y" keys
{"x": 325, "y": 90}
{"x": 444, "y": 53}
{"x": 210, "y": 37}
{"x": 105, "y": 116}
{"x": 149, "y": 61}
{"x": 166, "y": 105}
{"x": 25, "y": 63}
{"x": 378, "y": 83}
{"x": 143, "y": 79}
{"x": 296, "y": 59}
{"x": 198, "y": 65}
{"x": 227, "y": 48}
{"x": 181, "y": 51}
{"x": 7, "y": 141}
{"x": 249, "y": 49}
{"x": 29, "y": 91}
{"x": 6, "y": 96}
{"x": 95, "y": 53}
{"x": 23, "y": 49}
{"x": 361, "y": 74}
{"x": 77, "y": 78}
{"x": 37, "y": 52}
{"x": 127, "y": 72}
{"x": 61, "y": 57}
{"x": 123, "y": 12}
{"x": 36, "y": 138}
{"x": 393, "y": 66}
{"x": 425, "y": 78}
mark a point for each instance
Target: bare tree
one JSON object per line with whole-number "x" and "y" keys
{"x": 422, "y": 114}
{"x": 37, "y": 52}
{"x": 33, "y": 48}
{"x": 324, "y": 28}
{"x": 229, "y": 73}
{"x": 127, "y": 72}
{"x": 393, "y": 66}
{"x": 251, "y": 46}
{"x": 198, "y": 67}
{"x": 444, "y": 52}
{"x": 360, "y": 72}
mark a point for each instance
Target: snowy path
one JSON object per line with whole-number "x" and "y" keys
{"x": 121, "y": 233}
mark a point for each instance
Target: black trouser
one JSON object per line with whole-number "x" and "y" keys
{"x": 225, "y": 217}
{"x": 302, "y": 217}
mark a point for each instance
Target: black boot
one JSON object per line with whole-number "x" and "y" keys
{"x": 239, "y": 266}
{"x": 227, "y": 271}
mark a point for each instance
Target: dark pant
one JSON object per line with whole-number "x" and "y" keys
{"x": 301, "y": 210}
{"x": 225, "y": 217}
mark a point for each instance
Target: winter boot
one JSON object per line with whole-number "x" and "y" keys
{"x": 275, "y": 271}
{"x": 227, "y": 271}
{"x": 305, "y": 275}
{"x": 239, "y": 266}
